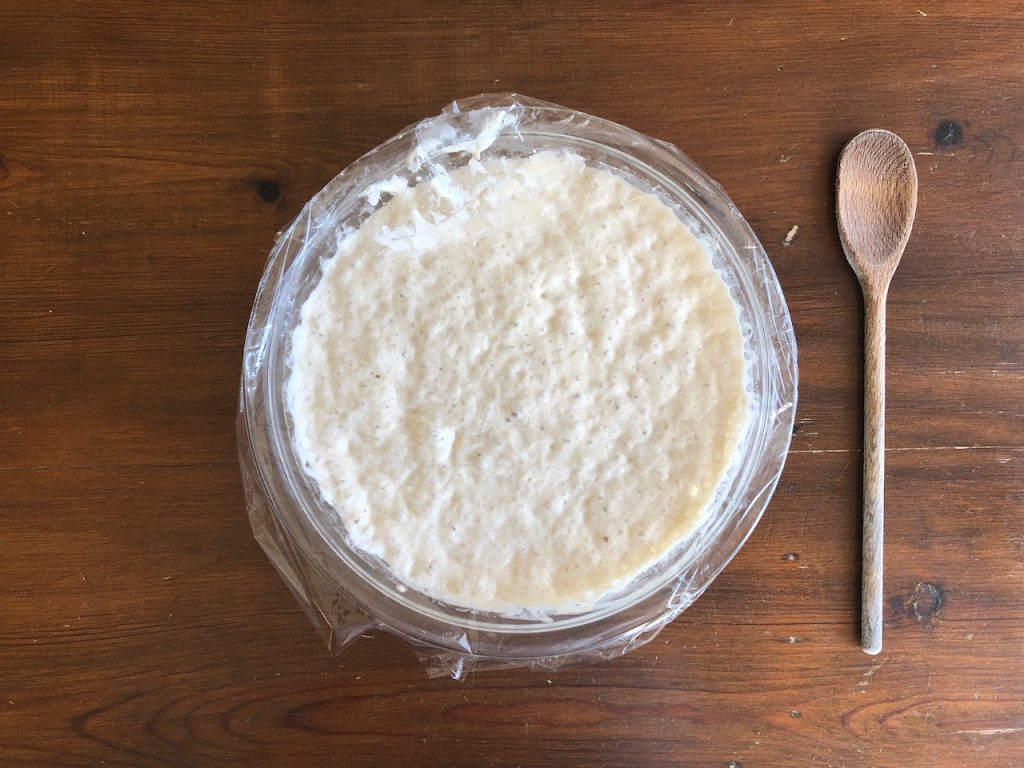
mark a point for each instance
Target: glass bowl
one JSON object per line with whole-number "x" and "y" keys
{"x": 346, "y": 592}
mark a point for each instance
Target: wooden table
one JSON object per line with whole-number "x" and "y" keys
{"x": 148, "y": 154}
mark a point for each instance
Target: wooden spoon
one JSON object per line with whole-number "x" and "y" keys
{"x": 876, "y": 198}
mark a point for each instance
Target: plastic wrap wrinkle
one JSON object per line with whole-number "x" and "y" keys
{"x": 345, "y": 596}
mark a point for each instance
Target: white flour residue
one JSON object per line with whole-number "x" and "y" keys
{"x": 436, "y": 137}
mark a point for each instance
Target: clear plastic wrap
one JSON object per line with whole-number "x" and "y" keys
{"x": 346, "y": 594}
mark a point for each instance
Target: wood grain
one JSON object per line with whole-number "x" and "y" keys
{"x": 150, "y": 152}
{"x": 872, "y": 570}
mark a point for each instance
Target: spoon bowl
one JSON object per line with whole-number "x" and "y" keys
{"x": 876, "y": 200}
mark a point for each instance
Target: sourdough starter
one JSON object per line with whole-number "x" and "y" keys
{"x": 520, "y": 384}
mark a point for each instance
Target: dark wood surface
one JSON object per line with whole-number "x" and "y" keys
{"x": 150, "y": 151}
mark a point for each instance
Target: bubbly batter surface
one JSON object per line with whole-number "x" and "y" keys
{"x": 519, "y": 385}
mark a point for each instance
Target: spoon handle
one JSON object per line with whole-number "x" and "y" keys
{"x": 874, "y": 471}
